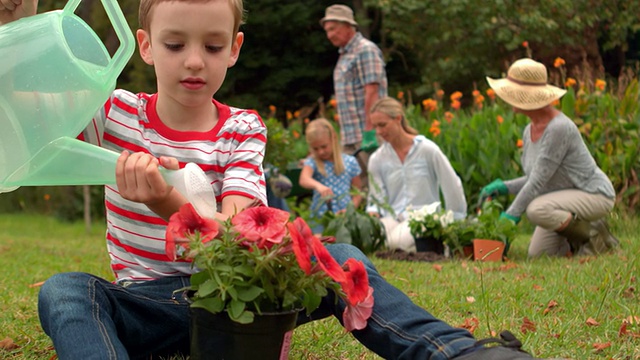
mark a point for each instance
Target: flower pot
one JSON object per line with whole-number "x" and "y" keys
{"x": 424, "y": 244}
{"x": 216, "y": 336}
{"x": 466, "y": 252}
{"x": 487, "y": 250}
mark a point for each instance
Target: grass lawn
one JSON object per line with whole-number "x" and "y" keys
{"x": 575, "y": 308}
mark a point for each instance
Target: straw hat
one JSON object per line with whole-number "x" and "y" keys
{"x": 340, "y": 13}
{"x": 525, "y": 86}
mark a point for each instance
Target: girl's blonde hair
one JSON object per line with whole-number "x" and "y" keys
{"x": 317, "y": 129}
{"x": 392, "y": 108}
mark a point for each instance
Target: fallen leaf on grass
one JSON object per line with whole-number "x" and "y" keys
{"x": 537, "y": 287}
{"x": 470, "y": 324}
{"x": 632, "y": 320}
{"x": 601, "y": 346}
{"x": 38, "y": 284}
{"x": 8, "y": 344}
{"x": 437, "y": 267}
{"x": 592, "y": 322}
{"x": 527, "y": 325}
{"x": 628, "y": 292}
{"x": 550, "y": 306}
{"x": 471, "y": 299}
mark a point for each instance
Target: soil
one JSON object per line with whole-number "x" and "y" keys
{"x": 426, "y": 256}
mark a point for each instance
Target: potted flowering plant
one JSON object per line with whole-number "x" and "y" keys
{"x": 259, "y": 263}
{"x": 428, "y": 226}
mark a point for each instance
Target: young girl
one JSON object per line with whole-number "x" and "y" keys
{"x": 328, "y": 172}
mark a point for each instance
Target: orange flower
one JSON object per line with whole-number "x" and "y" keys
{"x": 296, "y": 114}
{"x": 430, "y": 105}
{"x": 439, "y": 94}
{"x": 448, "y": 116}
{"x": 456, "y": 96}
{"x": 333, "y": 103}
{"x": 47, "y": 197}
{"x": 491, "y": 94}
{"x": 289, "y": 115}
{"x": 306, "y": 120}
{"x": 558, "y": 62}
{"x": 525, "y": 44}
{"x": 519, "y": 143}
{"x": 556, "y": 102}
{"x": 479, "y": 99}
{"x": 336, "y": 118}
{"x": 499, "y": 119}
{"x": 570, "y": 82}
{"x": 272, "y": 108}
{"x": 455, "y": 105}
{"x": 296, "y": 134}
{"x": 435, "y": 128}
{"x": 400, "y": 95}
{"x": 600, "y": 84}
{"x": 475, "y": 93}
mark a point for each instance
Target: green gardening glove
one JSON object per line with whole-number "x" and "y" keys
{"x": 496, "y": 187}
{"x": 513, "y": 219}
{"x": 369, "y": 142}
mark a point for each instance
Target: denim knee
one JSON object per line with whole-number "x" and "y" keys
{"x": 342, "y": 252}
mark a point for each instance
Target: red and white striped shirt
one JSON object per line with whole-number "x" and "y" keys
{"x": 231, "y": 155}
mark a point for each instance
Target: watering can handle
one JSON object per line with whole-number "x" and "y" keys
{"x": 119, "y": 23}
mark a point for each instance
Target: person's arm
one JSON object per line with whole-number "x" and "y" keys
{"x": 307, "y": 181}
{"x": 450, "y": 184}
{"x": 12, "y": 10}
{"x": 356, "y": 183}
{"x": 377, "y": 189}
{"x": 370, "y": 97}
{"x": 515, "y": 185}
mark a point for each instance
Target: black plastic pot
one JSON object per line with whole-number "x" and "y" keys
{"x": 216, "y": 336}
{"x": 424, "y": 244}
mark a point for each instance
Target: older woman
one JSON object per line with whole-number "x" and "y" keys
{"x": 407, "y": 171}
{"x": 563, "y": 192}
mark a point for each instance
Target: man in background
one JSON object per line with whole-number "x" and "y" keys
{"x": 359, "y": 79}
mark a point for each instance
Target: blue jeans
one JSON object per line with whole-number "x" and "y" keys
{"x": 91, "y": 318}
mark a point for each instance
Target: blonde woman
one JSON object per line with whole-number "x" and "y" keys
{"x": 328, "y": 172}
{"x": 407, "y": 171}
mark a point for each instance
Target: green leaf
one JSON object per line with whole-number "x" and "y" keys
{"x": 207, "y": 288}
{"x": 249, "y": 294}
{"x": 235, "y": 308}
{"x": 213, "y": 304}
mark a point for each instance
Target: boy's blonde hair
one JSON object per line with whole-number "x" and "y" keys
{"x": 317, "y": 129}
{"x": 145, "y": 12}
{"x": 392, "y": 108}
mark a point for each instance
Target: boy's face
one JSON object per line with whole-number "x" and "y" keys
{"x": 191, "y": 45}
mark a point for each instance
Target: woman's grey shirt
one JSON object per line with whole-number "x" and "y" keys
{"x": 559, "y": 160}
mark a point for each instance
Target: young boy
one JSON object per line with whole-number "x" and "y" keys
{"x": 191, "y": 43}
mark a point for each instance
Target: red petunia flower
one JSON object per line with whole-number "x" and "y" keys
{"x": 184, "y": 224}
{"x": 301, "y": 238}
{"x": 264, "y": 225}
{"x": 355, "y": 317}
{"x": 356, "y": 285}
{"x": 326, "y": 261}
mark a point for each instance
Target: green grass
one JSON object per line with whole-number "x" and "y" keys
{"x": 499, "y": 295}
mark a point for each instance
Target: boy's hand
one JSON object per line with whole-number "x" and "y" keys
{"x": 11, "y": 10}
{"x": 138, "y": 178}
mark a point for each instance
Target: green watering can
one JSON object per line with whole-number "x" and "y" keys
{"x": 55, "y": 73}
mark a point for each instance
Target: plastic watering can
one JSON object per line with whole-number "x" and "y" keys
{"x": 55, "y": 73}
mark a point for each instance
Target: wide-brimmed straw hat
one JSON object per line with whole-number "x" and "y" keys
{"x": 338, "y": 12}
{"x": 525, "y": 86}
